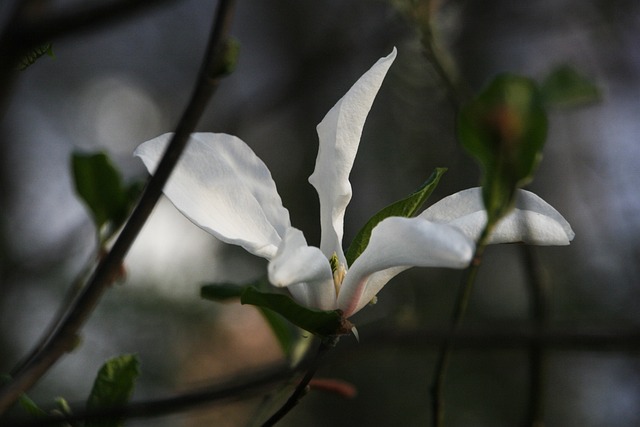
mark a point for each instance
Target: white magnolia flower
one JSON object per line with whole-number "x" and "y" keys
{"x": 224, "y": 188}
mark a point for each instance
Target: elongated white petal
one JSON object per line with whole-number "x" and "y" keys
{"x": 223, "y": 187}
{"x": 395, "y": 245}
{"x": 304, "y": 270}
{"x": 532, "y": 221}
{"x": 339, "y": 134}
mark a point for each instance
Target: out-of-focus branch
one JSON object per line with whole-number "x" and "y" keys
{"x": 31, "y": 25}
{"x": 65, "y": 335}
{"x": 499, "y": 337}
{"x": 250, "y": 384}
{"x": 459, "y": 311}
{"x": 539, "y": 302}
{"x": 496, "y": 337}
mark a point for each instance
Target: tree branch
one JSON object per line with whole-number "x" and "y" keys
{"x": 65, "y": 335}
{"x": 251, "y": 384}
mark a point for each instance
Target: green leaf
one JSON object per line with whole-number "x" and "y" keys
{"x": 221, "y": 292}
{"x": 565, "y": 87}
{"x": 31, "y": 407}
{"x": 406, "y": 207}
{"x": 100, "y": 186}
{"x": 63, "y": 406}
{"x": 505, "y": 129}
{"x": 113, "y": 387}
{"x": 322, "y": 323}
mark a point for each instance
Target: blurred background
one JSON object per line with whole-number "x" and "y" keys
{"x": 115, "y": 87}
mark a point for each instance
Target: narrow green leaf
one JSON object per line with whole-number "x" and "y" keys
{"x": 565, "y": 87}
{"x": 100, "y": 186}
{"x": 113, "y": 386}
{"x": 221, "y": 292}
{"x": 322, "y": 323}
{"x": 406, "y": 207}
{"x": 505, "y": 129}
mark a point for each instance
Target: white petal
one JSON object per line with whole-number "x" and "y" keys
{"x": 339, "y": 134}
{"x": 532, "y": 221}
{"x": 395, "y": 245}
{"x": 304, "y": 270}
{"x": 223, "y": 187}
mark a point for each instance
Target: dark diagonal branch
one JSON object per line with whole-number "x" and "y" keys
{"x": 302, "y": 387}
{"x": 64, "y": 337}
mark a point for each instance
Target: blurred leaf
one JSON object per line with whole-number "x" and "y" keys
{"x": 63, "y": 405}
{"x": 113, "y": 387}
{"x": 322, "y": 323}
{"x": 229, "y": 59}
{"x": 565, "y": 87}
{"x": 99, "y": 185}
{"x": 406, "y": 207}
{"x": 505, "y": 129}
{"x": 221, "y": 292}
{"x": 31, "y": 407}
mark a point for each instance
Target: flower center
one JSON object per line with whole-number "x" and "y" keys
{"x": 339, "y": 271}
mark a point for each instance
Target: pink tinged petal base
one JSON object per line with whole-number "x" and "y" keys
{"x": 533, "y": 220}
{"x": 304, "y": 270}
{"x": 395, "y": 245}
{"x": 224, "y": 188}
{"x": 339, "y": 134}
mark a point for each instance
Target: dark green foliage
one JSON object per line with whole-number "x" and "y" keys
{"x": 565, "y": 87}
{"x": 505, "y": 129}
{"x": 406, "y": 207}
{"x": 100, "y": 186}
{"x": 113, "y": 387}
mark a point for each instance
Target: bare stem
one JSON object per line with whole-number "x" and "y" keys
{"x": 65, "y": 335}
{"x": 539, "y": 291}
{"x": 301, "y": 388}
{"x": 460, "y": 308}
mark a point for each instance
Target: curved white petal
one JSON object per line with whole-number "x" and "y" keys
{"x": 304, "y": 270}
{"x": 532, "y": 221}
{"x": 339, "y": 134}
{"x": 223, "y": 187}
{"x": 396, "y": 244}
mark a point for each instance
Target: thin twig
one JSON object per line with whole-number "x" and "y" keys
{"x": 539, "y": 298}
{"x": 65, "y": 335}
{"x": 460, "y": 308}
{"x": 301, "y": 388}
